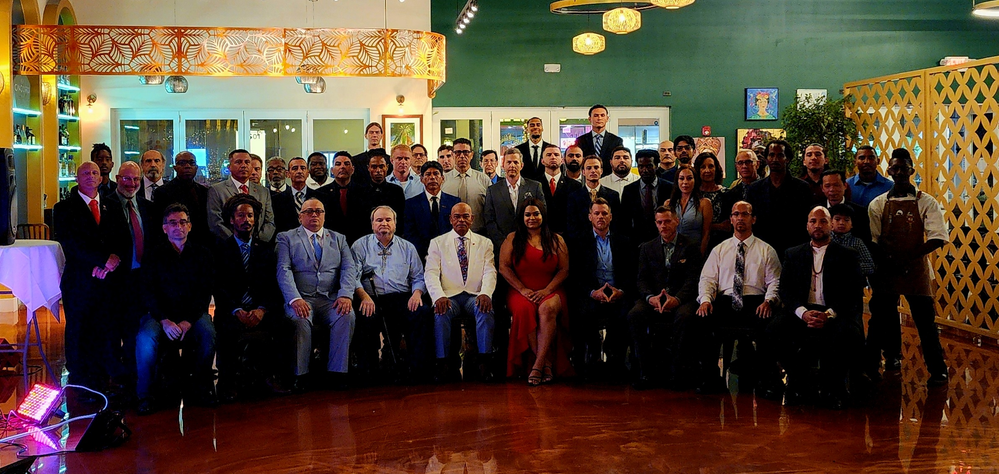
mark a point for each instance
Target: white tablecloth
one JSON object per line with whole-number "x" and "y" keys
{"x": 32, "y": 270}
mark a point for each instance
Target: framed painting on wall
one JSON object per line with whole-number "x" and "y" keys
{"x": 402, "y": 129}
{"x": 751, "y": 137}
{"x": 762, "y": 103}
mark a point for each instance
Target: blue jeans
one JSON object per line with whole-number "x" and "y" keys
{"x": 464, "y": 304}
{"x": 198, "y": 343}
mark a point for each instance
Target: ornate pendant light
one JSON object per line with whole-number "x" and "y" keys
{"x": 622, "y": 21}
{"x": 588, "y": 43}
{"x": 151, "y": 80}
{"x": 317, "y": 87}
{"x": 671, "y": 4}
{"x": 175, "y": 84}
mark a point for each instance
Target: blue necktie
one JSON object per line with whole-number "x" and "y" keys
{"x": 598, "y": 141}
{"x": 244, "y": 250}
{"x": 318, "y": 248}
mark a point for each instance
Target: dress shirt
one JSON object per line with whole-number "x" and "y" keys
{"x": 316, "y": 184}
{"x": 514, "y": 190}
{"x": 530, "y": 148}
{"x": 294, "y": 196}
{"x": 847, "y": 239}
{"x": 550, "y": 177}
{"x": 430, "y": 199}
{"x": 815, "y": 295}
{"x": 617, "y": 183}
{"x": 395, "y": 268}
{"x": 605, "y": 259}
{"x": 476, "y": 184}
{"x": 494, "y": 179}
{"x": 240, "y": 244}
{"x": 279, "y": 189}
{"x": 863, "y": 193}
{"x": 762, "y": 275}
{"x": 87, "y": 199}
{"x": 147, "y": 187}
{"x": 237, "y": 184}
{"x": 929, "y": 209}
{"x": 411, "y": 187}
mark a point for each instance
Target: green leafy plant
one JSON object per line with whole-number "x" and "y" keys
{"x": 823, "y": 122}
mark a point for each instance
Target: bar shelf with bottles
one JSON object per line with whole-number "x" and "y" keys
{"x": 69, "y": 132}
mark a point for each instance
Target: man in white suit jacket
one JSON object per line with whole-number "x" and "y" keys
{"x": 239, "y": 182}
{"x": 317, "y": 276}
{"x": 460, "y": 277}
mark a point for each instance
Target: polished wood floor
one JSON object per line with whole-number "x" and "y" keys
{"x": 480, "y": 428}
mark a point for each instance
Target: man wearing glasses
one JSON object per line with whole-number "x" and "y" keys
{"x": 468, "y": 184}
{"x": 317, "y": 276}
{"x": 745, "y": 165}
{"x": 683, "y": 150}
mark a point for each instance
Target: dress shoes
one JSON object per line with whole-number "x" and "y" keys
{"x": 147, "y": 406}
{"x": 937, "y": 380}
{"x": 713, "y": 385}
{"x": 298, "y": 385}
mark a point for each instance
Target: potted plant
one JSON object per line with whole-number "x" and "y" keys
{"x": 821, "y": 121}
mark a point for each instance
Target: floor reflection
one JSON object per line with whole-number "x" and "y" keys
{"x": 477, "y": 428}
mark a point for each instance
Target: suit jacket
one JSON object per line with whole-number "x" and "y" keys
{"x": 108, "y": 189}
{"x": 583, "y": 255}
{"x": 611, "y": 141}
{"x": 501, "y": 216}
{"x": 299, "y": 275}
{"x": 388, "y": 194}
{"x": 780, "y": 212}
{"x": 152, "y": 229}
{"x": 357, "y": 221}
{"x": 679, "y": 279}
{"x": 235, "y": 280}
{"x": 142, "y": 187}
{"x": 633, "y": 217}
{"x": 85, "y": 243}
{"x": 842, "y": 282}
{"x": 285, "y": 208}
{"x": 442, "y": 273}
{"x": 578, "y": 210}
{"x": 558, "y": 203}
{"x": 418, "y": 227}
{"x": 220, "y": 192}
{"x": 195, "y": 197}
{"x": 532, "y": 171}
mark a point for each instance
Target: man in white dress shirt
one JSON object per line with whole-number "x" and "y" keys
{"x": 621, "y": 174}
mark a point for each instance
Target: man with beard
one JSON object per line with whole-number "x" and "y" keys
{"x": 346, "y": 201}
{"x": 780, "y": 202}
{"x": 621, "y": 167}
{"x": 557, "y": 188}
{"x": 153, "y": 164}
{"x": 574, "y": 164}
{"x": 318, "y": 170}
{"x": 868, "y": 183}
{"x": 183, "y": 189}
{"x": 683, "y": 149}
{"x": 639, "y": 200}
{"x": 101, "y": 154}
{"x": 666, "y": 158}
{"x": 277, "y": 174}
{"x": 533, "y": 151}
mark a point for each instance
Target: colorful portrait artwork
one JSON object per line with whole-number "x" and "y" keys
{"x": 761, "y": 103}
{"x": 715, "y": 145}
{"x": 749, "y": 138}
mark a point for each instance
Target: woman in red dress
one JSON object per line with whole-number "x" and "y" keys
{"x": 535, "y": 262}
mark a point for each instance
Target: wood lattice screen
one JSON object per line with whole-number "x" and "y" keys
{"x": 947, "y": 117}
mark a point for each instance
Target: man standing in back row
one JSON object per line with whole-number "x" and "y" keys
{"x": 533, "y": 151}
{"x": 599, "y": 141}
{"x": 239, "y": 182}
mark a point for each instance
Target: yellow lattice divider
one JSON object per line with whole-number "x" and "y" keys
{"x": 946, "y": 117}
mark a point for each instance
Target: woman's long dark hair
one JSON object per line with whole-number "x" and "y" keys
{"x": 695, "y": 195}
{"x": 549, "y": 241}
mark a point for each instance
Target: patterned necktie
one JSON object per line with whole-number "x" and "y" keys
{"x": 96, "y": 211}
{"x": 551, "y": 185}
{"x": 318, "y": 249}
{"x": 593, "y": 195}
{"x": 299, "y": 199}
{"x": 243, "y": 189}
{"x": 244, "y": 250}
{"x": 740, "y": 272}
{"x": 598, "y": 141}
{"x": 463, "y": 258}
{"x": 137, "y": 241}
{"x": 152, "y": 190}
{"x": 435, "y": 212}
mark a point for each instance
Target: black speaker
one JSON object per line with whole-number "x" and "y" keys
{"x": 106, "y": 430}
{"x": 8, "y": 197}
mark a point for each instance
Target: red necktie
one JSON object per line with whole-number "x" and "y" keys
{"x": 136, "y": 231}
{"x": 96, "y": 211}
{"x": 552, "y": 185}
{"x": 243, "y": 189}
{"x": 343, "y": 201}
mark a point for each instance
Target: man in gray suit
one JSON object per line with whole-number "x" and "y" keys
{"x": 239, "y": 182}
{"x": 503, "y": 197}
{"x": 317, "y": 276}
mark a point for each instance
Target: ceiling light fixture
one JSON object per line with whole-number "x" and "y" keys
{"x": 588, "y": 44}
{"x": 671, "y": 4}
{"x": 318, "y": 88}
{"x": 622, "y": 21}
{"x": 465, "y": 16}
{"x": 175, "y": 85}
{"x": 986, "y": 9}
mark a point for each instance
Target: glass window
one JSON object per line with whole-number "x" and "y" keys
{"x": 332, "y": 135}
{"x": 211, "y": 141}
{"x": 462, "y": 128}
{"x": 639, "y": 133}
{"x": 270, "y": 138}
{"x": 140, "y": 136}
{"x": 513, "y": 132}
{"x": 570, "y": 129}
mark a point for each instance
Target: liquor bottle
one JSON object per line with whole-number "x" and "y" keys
{"x": 30, "y": 137}
{"x": 17, "y": 133}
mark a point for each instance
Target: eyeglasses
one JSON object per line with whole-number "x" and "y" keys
{"x": 313, "y": 212}
{"x": 743, "y": 162}
{"x": 271, "y": 169}
{"x": 185, "y": 162}
{"x": 462, "y": 152}
{"x": 180, "y": 223}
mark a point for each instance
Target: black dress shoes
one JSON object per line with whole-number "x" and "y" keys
{"x": 146, "y": 407}
{"x": 713, "y": 385}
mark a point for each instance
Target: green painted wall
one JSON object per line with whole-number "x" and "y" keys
{"x": 705, "y": 54}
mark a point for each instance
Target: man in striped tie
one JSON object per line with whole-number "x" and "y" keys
{"x": 738, "y": 289}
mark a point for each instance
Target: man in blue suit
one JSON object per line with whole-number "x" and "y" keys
{"x": 428, "y": 214}
{"x": 317, "y": 276}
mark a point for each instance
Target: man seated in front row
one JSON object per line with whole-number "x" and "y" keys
{"x": 247, "y": 303}
{"x": 822, "y": 291}
{"x": 391, "y": 290}
{"x": 317, "y": 276}
{"x": 668, "y": 269}
{"x": 178, "y": 279}
{"x": 738, "y": 289}
{"x": 460, "y": 277}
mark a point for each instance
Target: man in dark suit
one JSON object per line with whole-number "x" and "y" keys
{"x": 780, "y": 201}
{"x": 683, "y": 150}
{"x": 247, "y": 301}
{"x": 101, "y": 154}
{"x": 373, "y": 135}
{"x": 602, "y": 284}
{"x": 668, "y": 269}
{"x": 153, "y": 163}
{"x": 578, "y": 206}
{"x": 598, "y": 141}
{"x": 500, "y": 208}
{"x": 532, "y": 151}
{"x": 428, "y": 213}
{"x": 641, "y": 198}
{"x": 346, "y": 200}
{"x": 85, "y": 226}
{"x": 822, "y": 292}
{"x": 239, "y": 182}
{"x": 287, "y": 203}
{"x": 557, "y": 187}
{"x": 380, "y": 191}
{"x": 182, "y": 189}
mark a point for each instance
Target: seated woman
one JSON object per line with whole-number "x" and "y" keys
{"x": 535, "y": 262}
{"x": 693, "y": 210}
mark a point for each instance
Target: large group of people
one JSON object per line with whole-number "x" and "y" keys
{"x": 391, "y": 267}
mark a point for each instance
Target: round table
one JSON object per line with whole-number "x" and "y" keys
{"x": 32, "y": 270}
